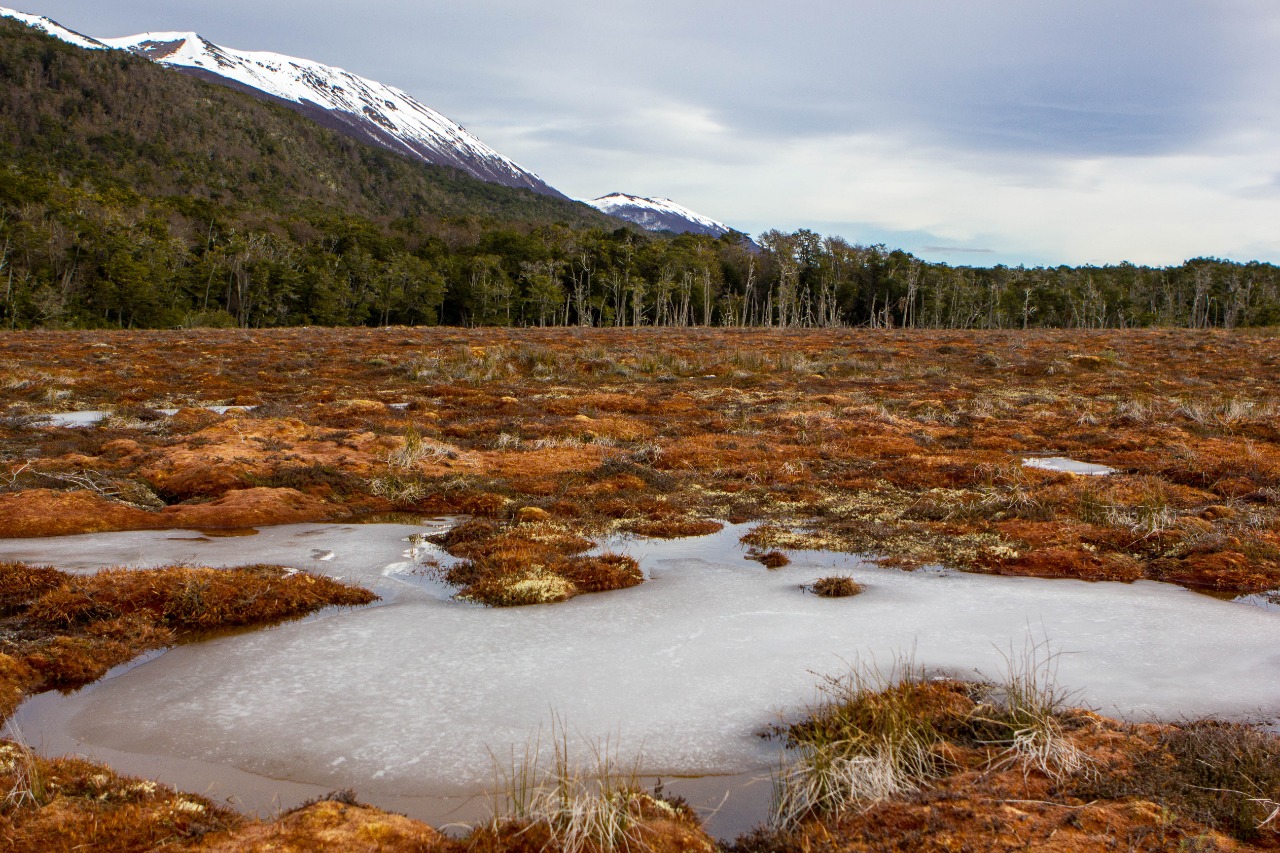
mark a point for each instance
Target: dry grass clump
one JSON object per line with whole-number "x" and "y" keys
{"x": 1224, "y": 775}
{"x": 62, "y": 630}
{"x": 534, "y": 562}
{"x": 572, "y": 807}
{"x": 769, "y": 559}
{"x": 835, "y": 586}
{"x": 673, "y": 528}
{"x": 872, "y": 738}
{"x": 878, "y": 736}
{"x": 70, "y": 804}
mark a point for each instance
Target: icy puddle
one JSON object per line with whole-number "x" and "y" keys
{"x": 407, "y": 701}
{"x": 1068, "y": 466}
{"x": 93, "y": 417}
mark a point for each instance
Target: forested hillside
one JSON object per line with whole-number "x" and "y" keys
{"x": 135, "y": 196}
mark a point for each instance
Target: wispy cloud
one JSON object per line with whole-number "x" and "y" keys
{"x": 1061, "y": 132}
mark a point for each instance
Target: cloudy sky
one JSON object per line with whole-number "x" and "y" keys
{"x": 974, "y": 132}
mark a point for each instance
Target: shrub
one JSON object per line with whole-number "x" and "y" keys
{"x": 770, "y": 559}
{"x": 835, "y": 586}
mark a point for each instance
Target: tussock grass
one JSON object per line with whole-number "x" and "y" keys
{"x": 1025, "y": 708}
{"x": 596, "y": 806}
{"x": 871, "y": 738}
{"x": 878, "y": 734}
{"x": 835, "y": 586}
{"x": 534, "y": 562}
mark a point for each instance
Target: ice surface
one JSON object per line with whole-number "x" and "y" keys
{"x": 1068, "y": 466}
{"x": 92, "y": 417}
{"x": 76, "y": 419}
{"x": 412, "y": 697}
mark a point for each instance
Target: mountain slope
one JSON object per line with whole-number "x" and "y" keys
{"x": 113, "y": 119}
{"x": 50, "y": 27}
{"x": 658, "y": 214}
{"x": 365, "y": 109}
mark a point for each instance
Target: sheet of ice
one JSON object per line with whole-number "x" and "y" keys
{"x": 413, "y": 697}
{"x": 92, "y": 417}
{"x": 1069, "y": 466}
{"x": 76, "y": 419}
{"x": 388, "y": 558}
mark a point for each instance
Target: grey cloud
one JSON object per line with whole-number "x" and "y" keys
{"x": 574, "y": 89}
{"x": 1091, "y": 77}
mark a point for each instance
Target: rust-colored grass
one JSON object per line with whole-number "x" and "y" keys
{"x": 835, "y": 586}
{"x": 1141, "y": 787}
{"x": 64, "y": 631}
{"x": 530, "y": 562}
{"x": 906, "y": 444}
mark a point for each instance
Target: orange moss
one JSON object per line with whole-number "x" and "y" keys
{"x": 64, "y": 630}
{"x": 331, "y": 824}
{"x": 810, "y": 428}
{"x": 41, "y": 512}
{"x": 674, "y": 528}
{"x": 69, "y": 804}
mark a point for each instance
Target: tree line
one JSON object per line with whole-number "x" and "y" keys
{"x": 132, "y": 196}
{"x": 75, "y": 257}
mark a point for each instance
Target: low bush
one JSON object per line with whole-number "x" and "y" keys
{"x": 835, "y": 586}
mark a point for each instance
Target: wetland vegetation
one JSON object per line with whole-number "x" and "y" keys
{"x": 908, "y": 445}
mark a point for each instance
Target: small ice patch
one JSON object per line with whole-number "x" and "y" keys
{"x": 93, "y": 417}
{"x": 75, "y": 419}
{"x": 1068, "y": 466}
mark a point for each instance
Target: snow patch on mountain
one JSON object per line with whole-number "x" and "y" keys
{"x": 658, "y": 214}
{"x": 53, "y": 28}
{"x": 389, "y": 115}
{"x": 357, "y": 106}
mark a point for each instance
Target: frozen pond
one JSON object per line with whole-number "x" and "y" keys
{"x": 1068, "y": 466}
{"x": 93, "y": 417}
{"x": 410, "y": 698}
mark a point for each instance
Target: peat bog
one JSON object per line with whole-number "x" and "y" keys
{"x": 909, "y": 446}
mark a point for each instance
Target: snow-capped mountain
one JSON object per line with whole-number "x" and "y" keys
{"x": 53, "y": 28}
{"x": 365, "y": 109}
{"x": 658, "y": 214}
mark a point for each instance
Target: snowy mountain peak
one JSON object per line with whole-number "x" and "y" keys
{"x": 53, "y": 28}
{"x": 658, "y": 214}
{"x": 357, "y": 106}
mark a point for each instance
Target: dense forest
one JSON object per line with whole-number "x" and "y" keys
{"x": 135, "y": 196}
